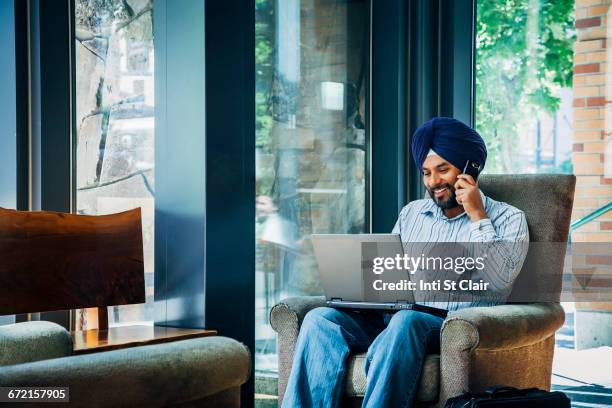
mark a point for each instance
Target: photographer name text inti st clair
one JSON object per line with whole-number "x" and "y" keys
{"x": 412, "y": 264}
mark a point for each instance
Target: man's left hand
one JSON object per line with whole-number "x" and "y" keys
{"x": 468, "y": 195}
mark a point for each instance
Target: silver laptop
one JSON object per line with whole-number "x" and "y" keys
{"x": 347, "y": 281}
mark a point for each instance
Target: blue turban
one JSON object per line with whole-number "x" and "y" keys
{"x": 450, "y": 139}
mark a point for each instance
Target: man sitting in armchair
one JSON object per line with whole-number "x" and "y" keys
{"x": 397, "y": 344}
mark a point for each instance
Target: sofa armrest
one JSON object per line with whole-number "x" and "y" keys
{"x": 507, "y": 344}
{"x": 502, "y": 327}
{"x": 148, "y": 376}
{"x": 33, "y": 341}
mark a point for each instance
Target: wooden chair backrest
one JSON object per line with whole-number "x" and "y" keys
{"x": 55, "y": 261}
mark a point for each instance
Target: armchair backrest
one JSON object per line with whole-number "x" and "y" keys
{"x": 547, "y": 200}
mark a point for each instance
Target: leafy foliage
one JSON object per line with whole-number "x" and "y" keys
{"x": 524, "y": 55}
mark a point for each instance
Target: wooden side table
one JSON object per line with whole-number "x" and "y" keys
{"x": 92, "y": 341}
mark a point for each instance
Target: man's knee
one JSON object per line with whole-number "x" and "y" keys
{"x": 410, "y": 320}
{"x": 319, "y": 316}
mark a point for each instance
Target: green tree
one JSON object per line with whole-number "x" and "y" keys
{"x": 524, "y": 55}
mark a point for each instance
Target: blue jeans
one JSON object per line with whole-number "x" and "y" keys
{"x": 396, "y": 352}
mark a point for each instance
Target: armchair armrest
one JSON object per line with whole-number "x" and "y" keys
{"x": 289, "y": 313}
{"x": 502, "y": 327}
{"x": 507, "y": 344}
{"x": 286, "y": 318}
{"x": 33, "y": 341}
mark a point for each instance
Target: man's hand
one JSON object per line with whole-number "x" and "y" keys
{"x": 468, "y": 195}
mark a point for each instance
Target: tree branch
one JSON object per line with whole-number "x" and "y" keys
{"x": 115, "y": 181}
{"x": 82, "y": 42}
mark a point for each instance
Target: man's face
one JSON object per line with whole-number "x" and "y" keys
{"x": 440, "y": 177}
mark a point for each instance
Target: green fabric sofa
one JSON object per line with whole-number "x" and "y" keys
{"x": 205, "y": 372}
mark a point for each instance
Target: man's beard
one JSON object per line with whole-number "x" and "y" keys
{"x": 449, "y": 203}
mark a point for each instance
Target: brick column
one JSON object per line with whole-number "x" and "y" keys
{"x": 592, "y": 138}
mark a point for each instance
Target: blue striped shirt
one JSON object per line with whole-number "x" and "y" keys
{"x": 423, "y": 221}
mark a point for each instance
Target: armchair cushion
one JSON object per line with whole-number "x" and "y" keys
{"x": 33, "y": 341}
{"x": 429, "y": 384}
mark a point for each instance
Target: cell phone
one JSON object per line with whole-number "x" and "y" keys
{"x": 472, "y": 168}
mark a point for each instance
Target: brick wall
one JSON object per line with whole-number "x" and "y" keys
{"x": 592, "y": 118}
{"x": 592, "y": 137}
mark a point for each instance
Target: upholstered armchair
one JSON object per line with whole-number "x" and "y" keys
{"x": 509, "y": 344}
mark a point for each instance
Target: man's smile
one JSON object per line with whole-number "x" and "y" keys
{"x": 440, "y": 192}
{"x": 443, "y": 194}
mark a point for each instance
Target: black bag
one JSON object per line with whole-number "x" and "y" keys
{"x": 510, "y": 397}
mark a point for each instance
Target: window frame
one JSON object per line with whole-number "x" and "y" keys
{"x": 44, "y": 98}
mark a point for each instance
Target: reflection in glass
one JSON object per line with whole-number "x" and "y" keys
{"x": 115, "y": 122}
{"x": 311, "y": 143}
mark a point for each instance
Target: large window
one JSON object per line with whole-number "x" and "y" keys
{"x": 524, "y": 84}
{"x": 115, "y": 122}
{"x": 311, "y": 143}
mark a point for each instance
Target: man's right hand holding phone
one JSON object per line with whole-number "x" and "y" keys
{"x": 468, "y": 196}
